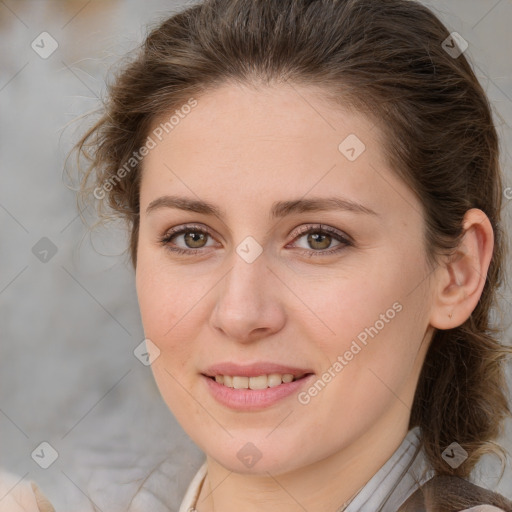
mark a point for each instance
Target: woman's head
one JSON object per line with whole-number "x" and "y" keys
{"x": 250, "y": 106}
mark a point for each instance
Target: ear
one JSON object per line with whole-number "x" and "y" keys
{"x": 461, "y": 278}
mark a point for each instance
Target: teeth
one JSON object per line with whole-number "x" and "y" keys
{"x": 258, "y": 382}
{"x": 261, "y": 382}
{"x": 240, "y": 382}
{"x": 273, "y": 380}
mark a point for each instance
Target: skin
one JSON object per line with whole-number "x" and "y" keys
{"x": 243, "y": 148}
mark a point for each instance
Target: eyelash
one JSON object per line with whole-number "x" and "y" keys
{"x": 305, "y": 230}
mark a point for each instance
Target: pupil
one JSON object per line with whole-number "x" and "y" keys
{"x": 317, "y": 238}
{"x": 194, "y": 237}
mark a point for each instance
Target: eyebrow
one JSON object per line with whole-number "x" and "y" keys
{"x": 279, "y": 209}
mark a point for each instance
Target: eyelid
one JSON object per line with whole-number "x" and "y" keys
{"x": 322, "y": 227}
{"x": 178, "y": 230}
{"x": 340, "y": 236}
{"x": 305, "y": 228}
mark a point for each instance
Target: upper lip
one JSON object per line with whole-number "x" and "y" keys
{"x": 253, "y": 370}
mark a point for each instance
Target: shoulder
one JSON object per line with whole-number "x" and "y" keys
{"x": 20, "y": 495}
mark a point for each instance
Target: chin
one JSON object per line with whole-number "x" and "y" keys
{"x": 246, "y": 457}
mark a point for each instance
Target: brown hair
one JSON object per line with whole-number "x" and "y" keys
{"x": 386, "y": 59}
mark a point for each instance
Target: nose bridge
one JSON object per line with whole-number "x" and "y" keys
{"x": 246, "y": 299}
{"x": 248, "y": 276}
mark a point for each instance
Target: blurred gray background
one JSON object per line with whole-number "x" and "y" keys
{"x": 68, "y": 309}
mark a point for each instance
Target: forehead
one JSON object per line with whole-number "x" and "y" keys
{"x": 281, "y": 114}
{"x": 241, "y": 143}
{"x": 254, "y": 129}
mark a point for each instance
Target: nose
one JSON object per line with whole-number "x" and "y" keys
{"x": 249, "y": 305}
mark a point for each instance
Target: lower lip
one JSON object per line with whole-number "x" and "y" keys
{"x": 253, "y": 399}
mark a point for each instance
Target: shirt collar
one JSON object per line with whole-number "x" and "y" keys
{"x": 402, "y": 474}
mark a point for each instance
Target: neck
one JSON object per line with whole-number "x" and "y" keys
{"x": 325, "y": 485}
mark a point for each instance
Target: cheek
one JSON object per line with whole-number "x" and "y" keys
{"x": 166, "y": 297}
{"x": 381, "y": 351}
{"x": 167, "y": 313}
{"x": 173, "y": 306}
{"x": 376, "y": 318}
{"x": 344, "y": 308}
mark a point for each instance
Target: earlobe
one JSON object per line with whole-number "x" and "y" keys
{"x": 460, "y": 280}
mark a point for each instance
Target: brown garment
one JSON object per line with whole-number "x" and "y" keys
{"x": 452, "y": 494}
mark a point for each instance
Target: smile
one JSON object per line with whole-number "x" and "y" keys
{"x": 247, "y": 394}
{"x": 260, "y": 382}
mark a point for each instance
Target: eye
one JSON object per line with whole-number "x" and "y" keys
{"x": 194, "y": 238}
{"x": 320, "y": 237}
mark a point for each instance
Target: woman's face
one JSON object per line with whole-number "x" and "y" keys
{"x": 313, "y": 266}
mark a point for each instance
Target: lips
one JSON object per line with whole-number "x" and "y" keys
{"x": 254, "y": 370}
{"x": 256, "y": 386}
